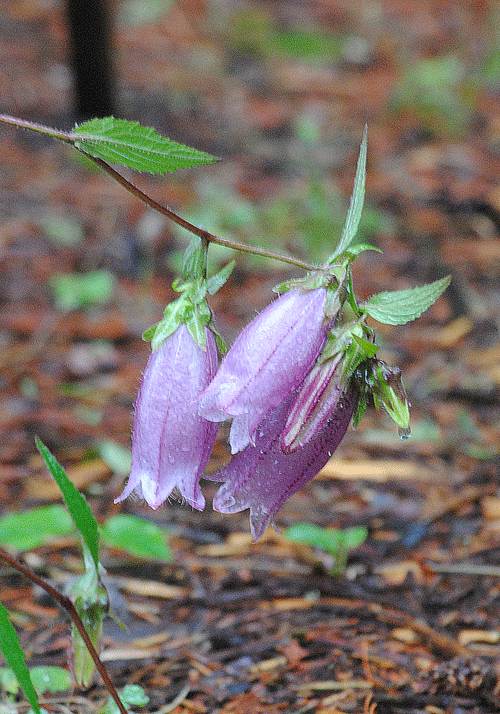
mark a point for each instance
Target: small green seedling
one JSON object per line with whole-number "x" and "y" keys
{"x": 335, "y": 541}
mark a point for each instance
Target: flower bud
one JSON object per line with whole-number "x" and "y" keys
{"x": 171, "y": 443}
{"x": 262, "y": 477}
{"x": 267, "y": 361}
{"x": 386, "y": 386}
{"x": 315, "y": 401}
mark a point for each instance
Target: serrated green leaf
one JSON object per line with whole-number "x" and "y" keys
{"x": 135, "y": 146}
{"x": 136, "y": 536}
{"x": 77, "y": 505}
{"x": 14, "y": 656}
{"x": 30, "y": 529}
{"x": 402, "y": 306}
{"x": 356, "y": 205}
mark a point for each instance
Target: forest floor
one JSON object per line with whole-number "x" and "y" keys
{"x": 281, "y": 92}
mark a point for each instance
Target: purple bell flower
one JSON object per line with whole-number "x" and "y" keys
{"x": 262, "y": 477}
{"x": 171, "y": 443}
{"x": 267, "y": 362}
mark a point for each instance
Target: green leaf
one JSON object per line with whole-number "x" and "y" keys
{"x": 402, "y": 306}
{"x": 368, "y": 348}
{"x": 132, "y": 695}
{"x": 356, "y": 205}
{"x": 136, "y": 536}
{"x": 218, "y": 280}
{"x": 51, "y": 679}
{"x": 76, "y": 290}
{"x": 116, "y": 456}
{"x": 135, "y": 146}
{"x": 14, "y": 656}
{"x": 30, "y": 529}
{"x": 332, "y": 540}
{"x": 77, "y": 505}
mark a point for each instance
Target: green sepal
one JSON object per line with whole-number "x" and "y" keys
{"x": 197, "y": 323}
{"x": 402, "y": 306}
{"x": 221, "y": 345}
{"x": 312, "y": 281}
{"x": 368, "y": 348}
{"x": 355, "y": 250}
{"x": 356, "y": 205}
{"x": 388, "y": 392}
{"x": 176, "y": 313}
{"x": 359, "y": 411}
{"x": 194, "y": 262}
{"x": 219, "y": 279}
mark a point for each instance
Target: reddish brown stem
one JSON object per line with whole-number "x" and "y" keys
{"x": 66, "y": 603}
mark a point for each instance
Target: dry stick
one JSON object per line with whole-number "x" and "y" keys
{"x": 66, "y": 603}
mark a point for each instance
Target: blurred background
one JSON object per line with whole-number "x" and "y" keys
{"x": 280, "y": 91}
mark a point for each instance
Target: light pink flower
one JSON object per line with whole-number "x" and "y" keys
{"x": 171, "y": 443}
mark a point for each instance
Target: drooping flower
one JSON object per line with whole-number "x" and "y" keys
{"x": 316, "y": 399}
{"x": 171, "y": 443}
{"x": 262, "y": 476}
{"x": 267, "y": 361}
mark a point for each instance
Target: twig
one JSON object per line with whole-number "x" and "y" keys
{"x": 68, "y": 138}
{"x": 66, "y": 603}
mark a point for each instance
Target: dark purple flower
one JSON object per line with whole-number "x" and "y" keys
{"x": 171, "y": 443}
{"x": 262, "y": 477}
{"x": 268, "y": 360}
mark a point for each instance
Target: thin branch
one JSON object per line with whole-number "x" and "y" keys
{"x": 204, "y": 235}
{"x": 66, "y": 603}
{"x": 129, "y": 186}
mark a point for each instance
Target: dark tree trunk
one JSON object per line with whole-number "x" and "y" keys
{"x": 91, "y": 58}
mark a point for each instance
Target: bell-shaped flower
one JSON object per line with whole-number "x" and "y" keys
{"x": 262, "y": 476}
{"x": 171, "y": 443}
{"x": 267, "y": 362}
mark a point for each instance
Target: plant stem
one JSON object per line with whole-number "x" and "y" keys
{"x": 66, "y": 603}
{"x": 129, "y": 186}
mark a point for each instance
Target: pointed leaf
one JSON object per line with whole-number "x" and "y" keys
{"x": 217, "y": 281}
{"x": 356, "y": 206}
{"x": 402, "y": 306}
{"x": 77, "y": 505}
{"x": 135, "y": 146}
{"x": 14, "y": 656}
